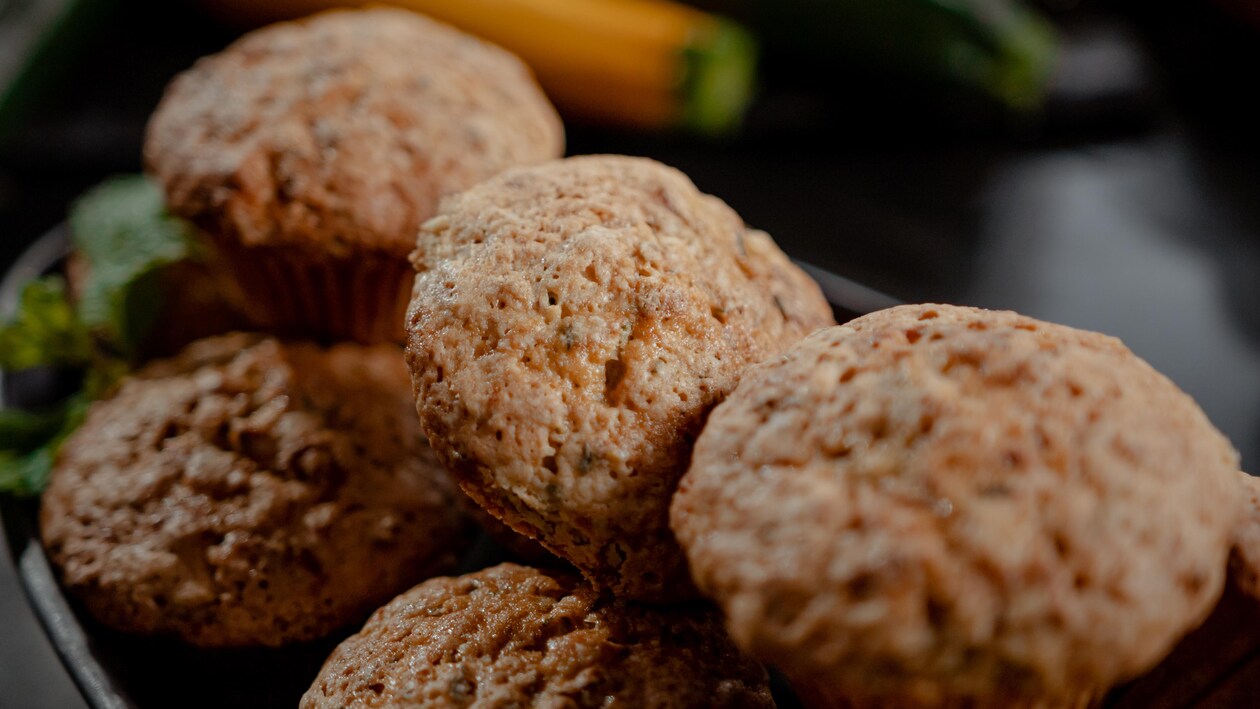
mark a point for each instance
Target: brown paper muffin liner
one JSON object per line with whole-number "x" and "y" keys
{"x": 362, "y": 297}
{"x": 199, "y": 300}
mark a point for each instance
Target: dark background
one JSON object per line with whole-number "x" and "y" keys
{"x": 1132, "y": 207}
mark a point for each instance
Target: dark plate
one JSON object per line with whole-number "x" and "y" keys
{"x": 119, "y": 671}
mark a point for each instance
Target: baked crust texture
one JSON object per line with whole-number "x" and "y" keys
{"x": 570, "y": 329}
{"x": 935, "y": 504}
{"x": 340, "y": 133}
{"x": 515, "y": 636}
{"x": 250, "y": 492}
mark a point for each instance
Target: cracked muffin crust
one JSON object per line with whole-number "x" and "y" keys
{"x": 515, "y": 636}
{"x": 570, "y": 328}
{"x": 250, "y": 492}
{"x": 945, "y": 506}
{"x": 311, "y": 152}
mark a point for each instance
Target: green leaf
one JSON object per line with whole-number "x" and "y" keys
{"x": 11, "y": 467}
{"x": 29, "y": 443}
{"x": 100, "y": 378}
{"x": 25, "y": 473}
{"x": 76, "y": 410}
{"x": 25, "y": 430}
{"x": 45, "y": 330}
{"x": 125, "y": 234}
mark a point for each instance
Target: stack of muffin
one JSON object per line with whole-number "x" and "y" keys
{"x": 929, "y": 506}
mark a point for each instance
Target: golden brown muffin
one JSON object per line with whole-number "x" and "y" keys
{"x": 311, "y": 152}
{"x": 571, "y": 326}
{"x": 514, "y": 636}
{"x": 944, "y": 506}
{"x": 1216, "y": 665}
{"x": 250, "y": 492}
{"x": 1245, "y": 559}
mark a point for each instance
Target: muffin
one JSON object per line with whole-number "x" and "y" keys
{"x": 945, "y": 506}
{"x": 1217, "y": 665}
{"x": 515, "y": 636}
{"x": 310, "y": 152}
{"x": 1244, "y": 563}
{"x": 571, "y": 326}
{"x": 250, "y": 492}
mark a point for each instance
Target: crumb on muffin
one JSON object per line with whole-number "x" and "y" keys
{"x": 515, "y": 636}
{"x": 251, "y": 492}
{"x": 309, "y": 153}
{"x": 570, "y": 328}
{"x": 934, "y": 504}
{"x": 343, "y": 130}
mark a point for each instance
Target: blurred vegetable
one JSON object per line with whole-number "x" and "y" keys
{"x": 125, "y": 236}
{"x": 638, "y": 63}
{"x": 29, "y": 443}
{"x": 123, "y": 231}
{"x": 45, "y": 330}
{"x": 1001, "y": 47}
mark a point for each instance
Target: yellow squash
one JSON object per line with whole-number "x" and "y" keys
{"x": 637, "y": 63}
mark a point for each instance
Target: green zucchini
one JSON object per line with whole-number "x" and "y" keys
{"x": 1002, "y": 48}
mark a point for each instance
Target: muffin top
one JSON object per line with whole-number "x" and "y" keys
{"x": 515, "y": 636}
{"x": 937, "y": 502}
{"x": 342, "y": 131}
{"x": 571, "y": 326}
{"x": 1245, "y": 559}
{"x": 251, "y": 492}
